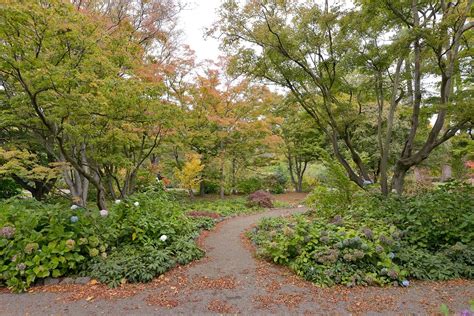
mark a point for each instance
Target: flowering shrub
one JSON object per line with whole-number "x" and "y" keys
{"x": 40, "y": 240}
{"x": 331, "y": 253}
{"x": 260, "y": 199}
{"x": 374, "y": 240}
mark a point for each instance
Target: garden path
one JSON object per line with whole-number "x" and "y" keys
{"x": 230, "y": 280}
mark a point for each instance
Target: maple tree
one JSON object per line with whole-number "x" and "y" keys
{"x": 73, "y": 83}
{"x": 226, "y": 122}
{"x": 189, "y": 176}
{"x": 338, "y": 69}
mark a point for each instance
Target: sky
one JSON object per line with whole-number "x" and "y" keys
{"x": 199, "y": 15}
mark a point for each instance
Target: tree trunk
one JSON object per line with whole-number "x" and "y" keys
{"x": 222, "y": 180}
{"x": 388, "y": 137}
{"x": 398, "y": 179}
{"x": 446, "y": 172}
{"x": 202, "y": 188}
{"x": 101, "y": 203}
{"x": 39, "y": 190}
{"x": 299, "y": 185}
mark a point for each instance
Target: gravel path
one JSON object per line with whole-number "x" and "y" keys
{"x": 230, "y": 280}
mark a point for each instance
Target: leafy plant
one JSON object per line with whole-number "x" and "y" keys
{"x": 374, "y": 240}
{"x": 135, "y": 240}
{"x": 260, "y": 199}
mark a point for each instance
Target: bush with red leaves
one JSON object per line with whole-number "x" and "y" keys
{"x": 260, "y": 198}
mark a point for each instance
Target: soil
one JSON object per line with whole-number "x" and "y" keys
{"x": 229, "y": 280}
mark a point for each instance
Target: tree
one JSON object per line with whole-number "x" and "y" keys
{"x": 76, "y": 84}
{"x": 312, "y": 51}
{"x": 226, "y": 122}
{"x": 190, "y": 174}
{"x": 27, "y": 170}
{"x": 301, "y": 142}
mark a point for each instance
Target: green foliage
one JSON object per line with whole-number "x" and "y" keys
{"x": 276, "y": 182}
{"x": 335, "y": 192}
{"x": 131, "y": 264}
{"x": 374, "y": 240}
{"x": 432, "y": 220}
{"x": 131, "y": 242}
{"x": 141, "y": 264}
{"x": 249, "y": 185}
{"x": 210, "y": 187}
{"x": 336, "y": 252}
{"x": 8, "y": 188}
{"x": 223, "y": 207}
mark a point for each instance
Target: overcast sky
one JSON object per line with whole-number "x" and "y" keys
{"x": 199, "y": 15}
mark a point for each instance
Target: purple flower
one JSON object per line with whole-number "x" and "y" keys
{"x": 405, "y": 283}
{"x": 324, "y": 239}
{"x": 385, "y": 240}
{"x": 368, "y": 233}
{"x": 392, "y": 274}
{"x": 74, "y": 219}
{"x": 21, "y": 266}
{"x": 7, "y": 232}
{"x": 337, "y": 220}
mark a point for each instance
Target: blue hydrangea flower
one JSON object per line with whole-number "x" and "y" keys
{"x": 74, "y": 219}
{"x": 391, "y": 255}
{"x": 405, "y": 283}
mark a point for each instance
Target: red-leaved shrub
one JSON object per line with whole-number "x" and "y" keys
{"x": 260, "y": 198}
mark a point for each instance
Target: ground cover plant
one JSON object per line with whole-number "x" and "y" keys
{"x": 134, "y": 241}
{"x": 376, "y": 241}
{"x": 223, "y": 207}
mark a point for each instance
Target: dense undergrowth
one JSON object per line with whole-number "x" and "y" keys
{"x": 222, "y": 207}
{"x": 134, "y": 241}
{"x": 361, "y": 238}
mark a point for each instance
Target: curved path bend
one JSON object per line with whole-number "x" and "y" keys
{"x": 229, "y": 280}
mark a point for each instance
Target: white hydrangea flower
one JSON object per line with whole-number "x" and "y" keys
{"x": 104, "y": 213}
{"x": 163, "y": 237}
{"x": 74, "y": 207}
{"x": 118, "y": 201}
{"x": 136, "y": 204}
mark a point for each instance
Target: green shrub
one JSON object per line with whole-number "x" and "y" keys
{"x": 8, "y": 188}
{"x": 330, "y": 253}
{"x": 143, "y": 263}
{"x": 249, "y": 185}
{"x": 211, "y": 187}
{"x": 39, "y": 240}
{"x": 131, "y": 264}
{"x": 276, "y": 182}
{"x": 368, "y": 239}
{"x": 223, "y": 207}
{"x": 335, "y": 194}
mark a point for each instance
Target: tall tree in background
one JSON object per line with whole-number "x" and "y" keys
{"x": 313, "y": 51}
{"x": 301, "y": 141}
{"x": 224, "y": 121}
